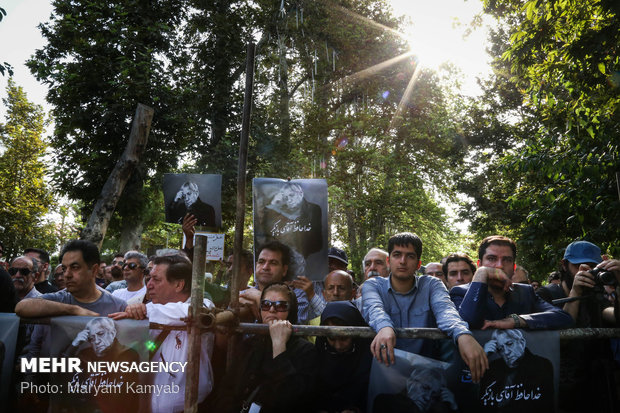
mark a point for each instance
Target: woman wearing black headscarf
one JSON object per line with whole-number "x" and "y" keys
{"x": 275, "y": 371}
{"x": 344, "y": 362}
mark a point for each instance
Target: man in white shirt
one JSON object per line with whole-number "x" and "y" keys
{"x": 170, "y": 289}
{"x": 134, "y": 268}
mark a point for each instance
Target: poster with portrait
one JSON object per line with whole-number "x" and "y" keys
{"x": 109, "y": 353}
{"x": 523, "y": 376}
{"x": 413, "y": 383}
{"x": 9, "y": 325}
{"x": 196, "y": 194}
{"x": 294, "y": 213}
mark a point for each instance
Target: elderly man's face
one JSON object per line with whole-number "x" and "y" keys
{"x": 23, "y": 283}
{"x": 289, "y": 198}
{"x": 190, "y": 196}
{"x": 101, "y": 338}
{"x": 338, "y": 287}
{"x": 376, "y": 262}
{"x": 425, "y": 390}
{"x": 511, "y": 349}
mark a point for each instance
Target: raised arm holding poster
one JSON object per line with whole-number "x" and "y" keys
{"x": 196, "y": 194}
{"x": 294, "y": 213}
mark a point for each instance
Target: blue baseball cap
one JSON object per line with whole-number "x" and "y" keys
{"x": 580, "y": 252}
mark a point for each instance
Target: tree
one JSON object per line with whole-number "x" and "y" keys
{"x": 24, "y": 195}
{"x": 101, "y": 60}
{"x": 557, "y": 182}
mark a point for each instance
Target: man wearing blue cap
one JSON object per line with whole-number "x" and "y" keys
{"x": 580, "y": 258}
{"x": 587, "y": 381}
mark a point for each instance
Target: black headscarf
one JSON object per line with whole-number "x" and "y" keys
{"x": 343, "y": 377}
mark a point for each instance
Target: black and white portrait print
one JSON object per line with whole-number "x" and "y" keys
{"x": 199, "y": 195}
{"x": 294, "y": 213}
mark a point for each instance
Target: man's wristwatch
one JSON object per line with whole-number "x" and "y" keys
{"x": 516, "y": 319}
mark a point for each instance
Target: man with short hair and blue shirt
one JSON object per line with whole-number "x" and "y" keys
{"x": 404, "y": 300}
{"x": 80, "y": 262}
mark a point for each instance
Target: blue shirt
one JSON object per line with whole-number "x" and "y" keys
{"x": 475, "y": 305}
{"x": 427, "y": 305}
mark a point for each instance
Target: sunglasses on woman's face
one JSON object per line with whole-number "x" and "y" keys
{"x": 280, "y": 306}
{"x": 22, "y": 271}
{"x": 131, "y": 266}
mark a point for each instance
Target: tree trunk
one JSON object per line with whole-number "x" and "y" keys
{"x": 106, "y": 203}
{"x": 131, "y": 234}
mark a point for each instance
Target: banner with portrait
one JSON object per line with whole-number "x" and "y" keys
{"x": 523, "y": 376}
{"x": 196, "y": 194}
{"x": 413, "y": 383}
{"x": 9, "y": 326}
{"x": 113, "y": 364}
{"x": 294, "y": 213}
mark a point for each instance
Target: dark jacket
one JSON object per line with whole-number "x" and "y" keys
{"x": 204, "y": 213}
{"x": 285, "y": 383}
{"x": 475, "y": 304}
{"x": 343, "y": 377}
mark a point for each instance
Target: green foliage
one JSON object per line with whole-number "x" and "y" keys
{"x": 24, "y": 195}
{"x": 386, "y": 166}
{"x": 551, "y": 176}
{"x": 100, "y": 61}
{"x": 317, "y": 111}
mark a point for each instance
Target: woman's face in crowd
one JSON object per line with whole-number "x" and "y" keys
{"x": 340, "y": 344}
{"x": 271, "y": 313}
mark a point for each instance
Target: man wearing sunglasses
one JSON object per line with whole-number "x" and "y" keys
{"x": 42, "y": 283}
{"x": 23, "y": 271}
{"x": 134, "y": 269}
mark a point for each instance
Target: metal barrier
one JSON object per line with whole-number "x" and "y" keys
{"x": 210, "y": 323}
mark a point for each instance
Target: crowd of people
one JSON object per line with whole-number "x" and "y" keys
{"x": 283, "y": 372}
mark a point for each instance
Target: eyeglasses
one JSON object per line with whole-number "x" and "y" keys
{"x": 22, "y": 271}
{"x": 131, "y": 265}
{"x": 280, "y": 306}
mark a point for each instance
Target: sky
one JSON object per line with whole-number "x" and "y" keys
{"x": 433, "y": 37}
{"x": 20, "y": 38}
{"x": 436, "y": 36}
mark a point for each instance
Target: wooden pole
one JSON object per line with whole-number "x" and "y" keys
{"x": 241, "y": 178}
{"x": 193, "y": 359}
